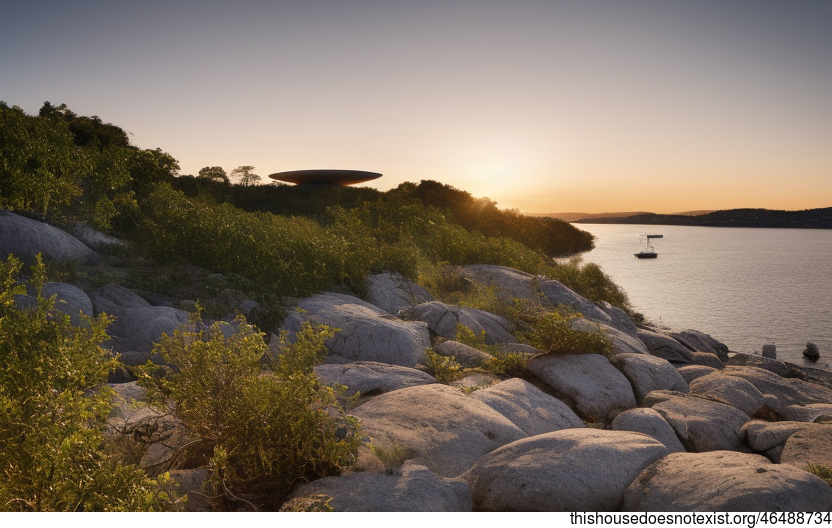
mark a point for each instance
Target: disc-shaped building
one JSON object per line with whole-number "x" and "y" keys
{"x": 325, "y": 176}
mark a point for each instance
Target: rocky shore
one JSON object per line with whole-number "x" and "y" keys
{"x": 673, "y": 421}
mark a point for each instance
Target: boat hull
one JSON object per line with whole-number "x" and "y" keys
{"x": 644, "y": 255}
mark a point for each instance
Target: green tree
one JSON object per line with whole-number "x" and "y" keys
{"x": 40, "y": 166}
{"x": 246, "y": 175}
{"x": 214, "y": 174}
{"x": 53, "y": 405}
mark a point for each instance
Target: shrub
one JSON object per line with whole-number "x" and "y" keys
{"x": 260, "y": 431}
{"x": 52, "y": 413}
{"x": 819, "y": 470}
{"x": 508, "y": 363}
{"x": 552, "y": 333}
{"x": 444, "y": 368}
{"x": 589, "y": 281}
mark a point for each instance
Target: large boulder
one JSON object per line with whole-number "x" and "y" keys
{"x": 697, "y": 341}
{"x": 651, "y": 423}
{"x": 568, "y": 470}
{"x": 466, "y": 356}
{"x": 25, "y": 238}
{"x": 725, "y": 481}
{"x": 665, "y": 347}
{"x": 392, "y": 293}
{"x": 366, "y": 333}
{"x": 94, "y": 238}
{"x": 69, "y": 299}
{"x": 528, "y": 407}
{"x": 135, "y": 331}
{"x": 514, "y": 284}
{"x": 442, "y": 319}
{"x": 730, "y": 390}
{"x": 622, "y": 343}
{"x": 812, "y": 445}
{"x": 703, "y": 425}
{"x": 812, "y": 375}
{"x": 749, "y": 360}
{"x": 414, "y": 489}
{"x": 437, "y": 426}
{"x": 619, "y": 319}
{"x": 112, "y": 298}
{"x": 647, "y": 373}
{"x": 692, "y": 372}
{"x": 791, "y": 399}
{"x": 370, "y": 378}
{"x": 764, "y": 436}
{"x": 587, "y": 382}
{"x": 707, "y": 359}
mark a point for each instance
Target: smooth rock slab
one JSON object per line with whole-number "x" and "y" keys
{"x": 69, "y": 299}
{"x": 619, "y": 319}
{"x": 812, "y": 445}
{"x": 416, "y": 489}
{"x": 651, "y": 423}
{"x": 112, "y": 298}
{"x": 371, "y": 378}
{"x": 466, "y": 356}
{"x": 665, "y": 347}
{"x": 692, "y": 372}
{"x": 392, "y": 293}
{"x": 788, "y": 397}
{"x": 513, "y": 284}
{"x": 439, "y": 426}
{"x": 647, "y": 373}
{"x": 442, "y": 319}
{"x": 568, "y": 470}
{"x": 749, "y": 360}
{"x": 367, "y": 333}
{"x": 725, "y": 481}
{"x": 622, "y": 343}
{"x": 697, "y": 341}
{"x": 729, "y": 390}
{"x": 763, "y": 436}
{"x": 25, "y": 238}
{"x": 703, "y": 425}
{"x": 136, "y": 330}
{"x": 528, "y": 407}
{"x": 587, "y": 382}
{"x": 707, "y": 359}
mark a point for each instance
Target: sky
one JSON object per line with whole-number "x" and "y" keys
{"x": 541, "y": 105}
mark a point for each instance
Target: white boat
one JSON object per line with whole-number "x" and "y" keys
{"x": 649, "y": 252}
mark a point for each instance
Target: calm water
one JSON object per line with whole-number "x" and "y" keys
{"x": 745, "y": 287}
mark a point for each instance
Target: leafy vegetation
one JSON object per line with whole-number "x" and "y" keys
{"x": 819, "y": 470}
{"x": 260, "y": 431}
{"x": 444, "y": 368}
{"x": 52, "y": 411}
{"x": 552, "y": 332}
{"x": 262, "y": 424}
{"x": 62, "y": 167}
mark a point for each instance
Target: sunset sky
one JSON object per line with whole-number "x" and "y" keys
{"x": 547, "y": 106}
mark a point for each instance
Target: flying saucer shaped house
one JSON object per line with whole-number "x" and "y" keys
{"x": 325, "y": 176}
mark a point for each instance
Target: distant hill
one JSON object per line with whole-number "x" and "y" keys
{"x": 577, "y": 217}
{"x": 573, "y": 217}
{"x": 806, "y": 219}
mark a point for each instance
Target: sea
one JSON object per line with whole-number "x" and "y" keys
{"x": 746, "y": 287}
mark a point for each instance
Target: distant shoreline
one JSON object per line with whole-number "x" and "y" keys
{"x": 766, "y": 218}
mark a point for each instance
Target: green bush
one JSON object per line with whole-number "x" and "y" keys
{"x": 819, "y": 470}
{"x": 552, "y": 332}
{"x": 444, "y": 368}
{"x": 262, "y": 424}
{"x": 52, "y": 411}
